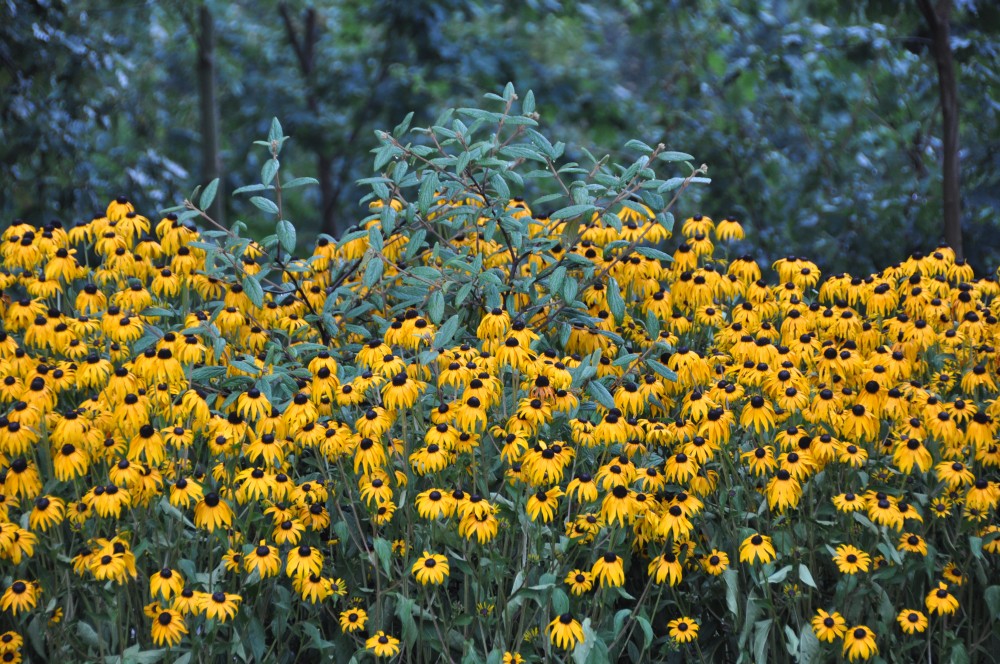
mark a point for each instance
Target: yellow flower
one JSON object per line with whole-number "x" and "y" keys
{"x": 851, "y": 560}
{"x": 828, "y": 626}
{"x": 859, "y": 643}
{"x": 683, "y": 630}
{"x": 757, "y": 547}
{"x": 565, "y": 632}
{"x": 168, "y": 628}
{"x": 382, "y": 644}
{"x": 912, "y": 621}
{"x": 19, "y": 597}
{"x": 220, "y": 605}
{"x": 609, "y": 570}
{"x": 353, "y": 620}
{"x": 431, "y": 568}
{"x": 940, "y": 601}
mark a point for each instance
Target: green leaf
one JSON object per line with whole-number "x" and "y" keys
{"x": 435, "y": 307}
{"x": 208, "y": 195}
{"x": 299, "y": 182}
{"x": 285, "y": 231}
{"x": 403, "y": 126}
{"x": 615, "y": 302}
{"x": 760, "y": 642}
{"x": 275, "y": 133}
{"x": 383, "y": 549}
{"x": 731, "y": 577}
{"x": 647, "y": 630}
{"x": 265, "y": 204}
{"x": 656, "y": 254}
{"x": 404, "y": 611}
{"x": 427, "y": 192}
{"x": 638, "y": 145}
{"x": 780, "y": 575}
{"x": 601, "y": 394}
{"x": 446, "y": 332}
{"x": 662, "y": 370}
{"x": 88, "y": 634}
{"x": 992, "y": 597}
{"x": 373, "y": 272}
{"x": 675, "y": 156}
{"x": 268, "y": 171}
{"x": 581, "y": 652}
{"x": 572, "y": 211}
{"x": 556, "y": 279}
{"x": 806, "y": 577}
{"x": 809, "y": 645}
{"x": 253, "y": 290}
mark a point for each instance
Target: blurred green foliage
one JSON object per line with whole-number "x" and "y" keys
{"x": 819, "y": 120}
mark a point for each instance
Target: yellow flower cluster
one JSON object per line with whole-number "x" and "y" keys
{"x": 137, "y": 378}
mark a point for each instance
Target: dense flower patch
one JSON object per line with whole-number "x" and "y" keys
{"x": 591, "y": 446}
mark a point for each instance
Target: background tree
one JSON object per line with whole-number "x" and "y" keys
{"x": 819, "y": 125}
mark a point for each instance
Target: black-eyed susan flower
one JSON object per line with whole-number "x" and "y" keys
{"x": 912, "y": 543}
{"x": 609, "y": 570}
{"x": 912, "y": 621}
{"x": 382, "y": 644}
{"x": 543, "y": 504}
{"x": 715, "y": 562}
{"x": 165, "y": 583}
{"x": 431, "y": 568}
{"x": 757, "y": 548}
{"x": 851, "y": 560}
{"x": 20, "y": 596}
{"x": 221, "y": 606}
{"x": 666, "y": 568}
{"x": 168, "y": 628}
{"x": 353, "y": 620}
{"x": 312, "y": 588}
{"x": 263, "y": 559}
{"x": 940, "y": 601}
{"x": 304, "y": 559}
{"x": 579, "y": 581}
{"x": 565, "y": 631}
{"x": 859, "y": 643}
{"x": 213, "y": 512}
{"x": 683, "y": 629}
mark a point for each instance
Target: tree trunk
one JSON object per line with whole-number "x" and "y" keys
{"x": 211, "y": 164}
{"x": 939, "y": 21}
{"x": 304, "y": 45}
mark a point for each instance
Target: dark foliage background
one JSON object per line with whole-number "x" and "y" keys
{"x": 819, "y": 120}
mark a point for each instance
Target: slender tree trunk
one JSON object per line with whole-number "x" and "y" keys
{"x": 304, "y": 45}
{"x": 211, "y": 164}
{"x": 939, "y": 21}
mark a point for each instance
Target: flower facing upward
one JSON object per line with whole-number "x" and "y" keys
{"x": 859, "y": 643}
{"x": 168, "y": 628}
{"x": 353, "y": 620}
{"x": 912, "y": 621}
{"x": 716, "y": 562}
{"x": 565, "y": 631}
{"x": 828, "y": 626}
{"x": 579, "y": 581}
{"x": 851, "y": 560}
{"x": 20, "y": 596}
{"x": 683, "y": 629}
{"x": 431, "y": 568}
